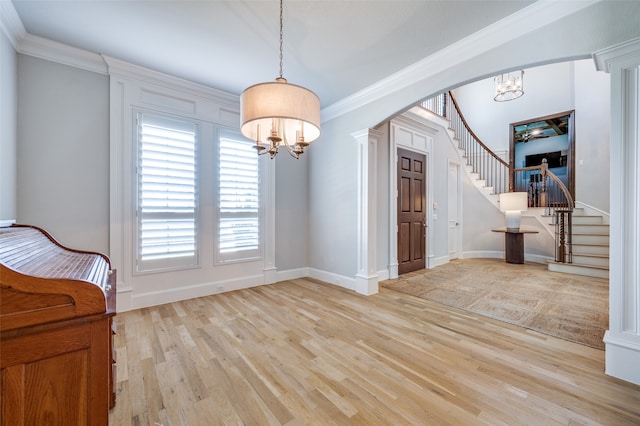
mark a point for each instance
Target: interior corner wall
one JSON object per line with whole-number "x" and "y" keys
{"x": 63, "y": 152}
{"x": 8, "y": 138}
{"x": 333, "y": 229}
{"x": 593, "y": 128}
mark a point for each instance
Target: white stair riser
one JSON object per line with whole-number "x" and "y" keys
{"x": 587, "y": 220}
{"x": 590, "y": 239}
{"x": 569, "y": 268}
{"x": 591, "y": 260}
{"x": 590, "y": 229}
{"x": 602, "y": 250}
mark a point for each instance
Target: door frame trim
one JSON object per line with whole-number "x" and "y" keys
{"x": 418, "y": 137}
{"x": 459, "y": 212}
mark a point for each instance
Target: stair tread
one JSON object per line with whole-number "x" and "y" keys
{"x": 581, "y": 265}
{"x": 590, "y": 255}
{"x": 574, "y": 215}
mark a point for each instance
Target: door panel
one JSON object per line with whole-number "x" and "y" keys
{"x": 411, "y": 211}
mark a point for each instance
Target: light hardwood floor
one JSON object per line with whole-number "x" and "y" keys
{"x": 305, "y": 352}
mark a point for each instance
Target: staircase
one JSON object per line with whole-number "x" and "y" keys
{"x": 590, "y": 247}
{"x": 590, "y": 233}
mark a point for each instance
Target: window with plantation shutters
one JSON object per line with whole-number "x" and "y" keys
{"x": 238, "y": 198}
{"x": 167, "y": 193}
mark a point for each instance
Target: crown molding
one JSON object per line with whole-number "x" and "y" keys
{"x": 542, "y": 12}
{"x": 623, "y": 55}
{"x": 43, "y": 48}
{"x": 11, "y": 23}
{"x": 50, "y": 50}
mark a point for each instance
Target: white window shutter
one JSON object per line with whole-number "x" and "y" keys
{"x": 167, "y": 192}
{"x": 239, "y": 200}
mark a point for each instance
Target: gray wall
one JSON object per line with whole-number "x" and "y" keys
{"x": 8, "y": 141}
{"x": 292, "y": 206}
{"x": 63, "y": 152}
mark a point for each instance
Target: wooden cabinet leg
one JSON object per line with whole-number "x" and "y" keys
{"x": 514, "y": 247}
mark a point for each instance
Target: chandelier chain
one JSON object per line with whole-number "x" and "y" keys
{"x": 281, "y": 39}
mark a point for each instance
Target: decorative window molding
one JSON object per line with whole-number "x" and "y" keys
{"x": 133, "y": 90}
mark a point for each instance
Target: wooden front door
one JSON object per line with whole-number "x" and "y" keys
{"x": 411, "y": 211}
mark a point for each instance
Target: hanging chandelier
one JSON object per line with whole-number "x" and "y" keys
{"x": 278, "y": 113}
{"x": 509, "y": 86}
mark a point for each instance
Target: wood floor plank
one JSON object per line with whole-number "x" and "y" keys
{"x": 303, "y": 352}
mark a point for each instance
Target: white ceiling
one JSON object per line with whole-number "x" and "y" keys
{"x": 333, "y": 47}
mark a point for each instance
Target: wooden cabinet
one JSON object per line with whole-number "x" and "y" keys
{"x": 56, "y": 350}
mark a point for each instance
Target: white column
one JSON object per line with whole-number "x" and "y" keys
{"x": 367, "y": 277}
{"x": 622, "y": 340}
{"x": 270, "y": 271}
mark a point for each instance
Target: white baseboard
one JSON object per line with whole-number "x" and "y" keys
{"x": 154, "y": 298}
{"x": 270, "y": 275}
{"x": 128, "y": 300}
{"x": 438, "y": 261}
{"x": 483, "y": 254}
{"x": 622, "y": 358}
{"x": 123, "y": 298}
{"x": 535, "y": 258}
{"x": 383, "y": 275}
{"x": 366, "y": 284}
{"x": 330, "y": 277}
{"x": 293, "y": 274}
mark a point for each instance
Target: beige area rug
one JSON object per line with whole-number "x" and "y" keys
{"x": 570, "y": 307}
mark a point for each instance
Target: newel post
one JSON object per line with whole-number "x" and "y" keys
{"x": 543, "y": 176}
{"x": 511, "y": 177}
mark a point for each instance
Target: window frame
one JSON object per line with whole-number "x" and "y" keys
{"x": 142, "y": 267}
{"x": 238, "y": 256}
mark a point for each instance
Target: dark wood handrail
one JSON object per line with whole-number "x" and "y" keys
{"x": 565, "y": 191}
{"x": 472, "y": 133}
